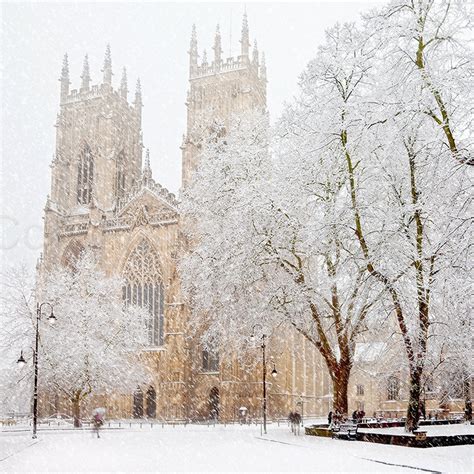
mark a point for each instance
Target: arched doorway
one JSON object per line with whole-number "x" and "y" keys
{"x": 138, "y": 403}
{"x": 151, "y": 402}
{"x": 214, "y": 403}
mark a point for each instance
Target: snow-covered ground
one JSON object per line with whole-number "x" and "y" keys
{"x": 216, "y": 449}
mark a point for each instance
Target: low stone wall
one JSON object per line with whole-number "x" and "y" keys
{"x": 411, "y": 441}
{"x": 398, "y": 439}
{"x": 318, "y": 430}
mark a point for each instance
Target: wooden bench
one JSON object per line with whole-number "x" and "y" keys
{"x": 345, "y": 431}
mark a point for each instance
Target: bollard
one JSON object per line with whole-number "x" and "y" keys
{"x": 151, "y": 425}
{"x": 120, "y": 424}
{"x": 140, "y": 424}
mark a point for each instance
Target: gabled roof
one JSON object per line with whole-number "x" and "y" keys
{"x": 148, "y": 187}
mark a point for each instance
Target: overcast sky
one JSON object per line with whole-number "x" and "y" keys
{"x": 151, "y": 40}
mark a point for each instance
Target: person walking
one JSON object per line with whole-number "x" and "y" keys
{"x": 98, "y": 420}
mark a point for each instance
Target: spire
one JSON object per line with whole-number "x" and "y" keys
{"x": 123, "y": 84}
{"x": 245, "y": 41}
{"x": 86, "y": 77}
{"x": 217, "y": 49}
{"x": 263, "y": 69}
{"x": 138, "y": 104}
{"x": 107, "y": 66}
{"x": 138, "y": 94}
{"x": 64, "y": 79}
{"x": 255, "y": 54}
{"x": 204, "y": 58}
{"x": 147, "y": 168}
{"x": 193, "y": 51}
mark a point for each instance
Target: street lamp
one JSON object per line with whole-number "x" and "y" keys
{"x": 21, "y": 361}
{"x": 264, "y": 375}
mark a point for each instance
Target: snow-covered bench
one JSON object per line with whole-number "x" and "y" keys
{"x": 345, "y": 431}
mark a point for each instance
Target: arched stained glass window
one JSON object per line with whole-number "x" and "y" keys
{"x": 144, "y": 287}
{"x": 393, "y": 388}
{"x": 85, "y": 175}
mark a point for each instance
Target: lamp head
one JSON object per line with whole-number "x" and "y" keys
{"x": 274, "y": 372}
{"x": 52, "y": 319}
{"x": 21, "y": 361}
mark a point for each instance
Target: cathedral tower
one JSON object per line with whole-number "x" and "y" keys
{"x": 98, "y": 141}
{"x": 218, "y": 89}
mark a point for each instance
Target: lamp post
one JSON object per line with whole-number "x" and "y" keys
{"x": 264, "y": 377}
{"x": 21, "y": 361}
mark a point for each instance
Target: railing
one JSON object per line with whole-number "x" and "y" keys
{"x": 75, "y": 229}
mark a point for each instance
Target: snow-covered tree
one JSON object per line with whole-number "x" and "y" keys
{"x": 94, "y": 347}
{"x": 272, "y": 247}
{"x": 426, "y": 57}
{"x": 17, "y": 316}
{"x": 407, "y": 199}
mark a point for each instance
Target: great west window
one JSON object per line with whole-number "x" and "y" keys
{"x": 144, "y": 287}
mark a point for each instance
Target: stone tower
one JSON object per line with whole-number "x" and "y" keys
{"x": 98, "y": 141}
{"x": 98, "y": 155}
{"x": 218, "y": 89}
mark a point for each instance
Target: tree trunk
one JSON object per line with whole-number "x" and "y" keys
{"x": 340, "y": 386}
{"x": 413, "y": 411}
{"x": 76, "y": 411}
{"x": 467, "y": 398}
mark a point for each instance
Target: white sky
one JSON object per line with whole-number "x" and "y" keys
{"x": 151, "y": 40}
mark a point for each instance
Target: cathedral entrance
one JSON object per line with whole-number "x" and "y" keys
{"x": 138, "y": 403}
{"x": 214, "y": 403}
{"x": 151, "y": 402}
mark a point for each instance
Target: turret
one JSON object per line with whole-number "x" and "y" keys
{"x": 64, "y": 79}
{"x": 204, "y": 58}
{"x": 255, "y": 54}
{"x": 193, "y": 52}
{"x": 107, "y": 70}
{"x": 123, "y": 84}
{"x": 245, "y": 41}
{"x": 138, "y": 103}
{"x": 263, "y": 69}
{"x": 146, "y": 173}
{"x": 217, "y": 50}
{"x": 85, "y": 76}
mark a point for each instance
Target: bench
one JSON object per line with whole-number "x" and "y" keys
{"x": 345, "y": 431}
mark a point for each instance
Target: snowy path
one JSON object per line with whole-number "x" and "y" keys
{"x": 217, "y": 449}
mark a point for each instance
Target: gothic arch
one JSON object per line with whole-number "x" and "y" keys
{"x": 214, "y": 402}
{"x": 144, "y": 287}
{"x": 138, "y": 403}
{"x": 72, "y": 253}
{"x": 85, "y": 174}
{"x": 151, "y": 402}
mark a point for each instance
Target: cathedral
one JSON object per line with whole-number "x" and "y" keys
{"x": 104, "y": 196}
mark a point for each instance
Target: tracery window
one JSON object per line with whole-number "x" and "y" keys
{"x": 210, "y": 361}
{"x": 393, "y": 388}
{"x": 85, "y": 175}
{"x": 120, "y": 175}
{"x": 144, "y": 287}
